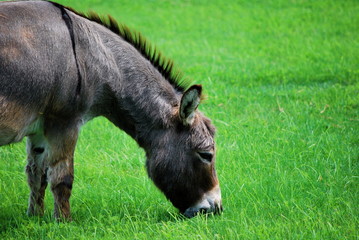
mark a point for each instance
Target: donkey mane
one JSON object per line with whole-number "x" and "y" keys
{"x": 164, "y": 65}
{"x": 44, "y": 96}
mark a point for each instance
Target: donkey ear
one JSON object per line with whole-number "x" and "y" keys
{"x": 189, "y": 103}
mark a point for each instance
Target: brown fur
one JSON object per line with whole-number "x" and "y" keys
{"x": 13, "y": 118}
{"x": 75, "y": 67}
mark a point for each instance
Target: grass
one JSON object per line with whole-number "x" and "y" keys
{"x": 283, "y": 91}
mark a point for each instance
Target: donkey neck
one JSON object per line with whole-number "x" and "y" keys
{"x": 144, "y": 100}
{"x": 126, "y": 87}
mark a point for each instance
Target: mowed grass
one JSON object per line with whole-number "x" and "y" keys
{"x": 282, "y": 86}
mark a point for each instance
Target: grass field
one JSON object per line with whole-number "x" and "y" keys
{"x": 282, "y": 80}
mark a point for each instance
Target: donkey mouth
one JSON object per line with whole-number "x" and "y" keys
{"x": 194, "y": 211}
{"x": 211, "y": 202}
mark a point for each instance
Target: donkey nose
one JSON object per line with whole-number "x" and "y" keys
{"x": 211, "y": 202}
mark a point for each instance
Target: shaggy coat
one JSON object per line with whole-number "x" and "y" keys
{"x": 60, "y": 68}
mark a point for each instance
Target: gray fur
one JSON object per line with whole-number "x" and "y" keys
{"x": 52, "y": 83}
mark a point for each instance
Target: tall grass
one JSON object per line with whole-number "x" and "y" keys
{"x": 283, "y": 91}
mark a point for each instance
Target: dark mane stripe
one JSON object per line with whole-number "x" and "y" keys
{"x": 164, "y": 65}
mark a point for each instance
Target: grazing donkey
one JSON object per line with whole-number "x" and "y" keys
{"x": 60, "y": 68}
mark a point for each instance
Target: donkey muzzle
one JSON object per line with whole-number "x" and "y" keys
{"x": 211, "y": 202}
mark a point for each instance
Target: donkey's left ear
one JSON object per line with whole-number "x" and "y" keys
{"x": 189, "y": 103}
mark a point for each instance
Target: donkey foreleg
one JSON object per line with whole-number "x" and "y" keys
{"x": 62, "y": 141}
{"x": 61, "y": 176}
{"x": 36, "y": 173}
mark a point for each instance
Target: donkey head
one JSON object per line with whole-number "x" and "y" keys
{"x": 181, "y": 161}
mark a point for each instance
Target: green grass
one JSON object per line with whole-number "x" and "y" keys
{"x": 282, "y": 80}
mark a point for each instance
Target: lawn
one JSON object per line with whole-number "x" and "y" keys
{"x": 282, "y": 85}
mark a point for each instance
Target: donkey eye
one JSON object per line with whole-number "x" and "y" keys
{"x": 206, "y": 156}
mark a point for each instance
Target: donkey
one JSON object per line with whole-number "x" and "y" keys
{"x": 60, "y": 68}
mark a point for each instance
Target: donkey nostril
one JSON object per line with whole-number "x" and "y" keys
{"x": 38, "y": 150}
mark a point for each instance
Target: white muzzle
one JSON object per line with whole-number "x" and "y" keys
{"x": 211, "y": 202}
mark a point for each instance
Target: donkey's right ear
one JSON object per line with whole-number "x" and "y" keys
{"x": 189, "y": 103}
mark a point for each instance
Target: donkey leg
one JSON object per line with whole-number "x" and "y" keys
{"x": 61, "y": 171}
{"x": 36, "y": 173}
{"x": 61, "y": 178}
